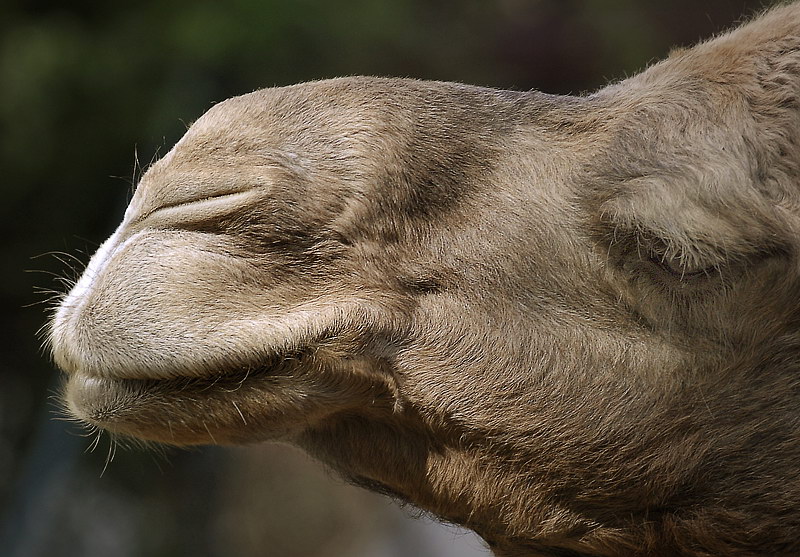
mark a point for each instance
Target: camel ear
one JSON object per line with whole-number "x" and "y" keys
{"x": 760, "y": 58}
{"x": 706, "y": 143}
{"x": 738, "y": 93}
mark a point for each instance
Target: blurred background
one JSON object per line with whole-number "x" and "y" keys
{"x": 90, "y": 91}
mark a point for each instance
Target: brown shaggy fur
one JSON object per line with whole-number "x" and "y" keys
{"x": 570, "y": 324}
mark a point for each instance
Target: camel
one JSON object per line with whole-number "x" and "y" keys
{"x": 567, "y": 323}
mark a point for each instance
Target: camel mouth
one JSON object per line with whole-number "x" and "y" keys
{"x": 168, "y": 410}
{"x": 275, "y": 399}
{"x": 229, "y": 381}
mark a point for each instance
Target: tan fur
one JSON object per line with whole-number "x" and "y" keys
{"x": 568, "y": 323}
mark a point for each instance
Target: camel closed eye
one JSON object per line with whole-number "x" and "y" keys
{"x": 677, "y": 268}
{"x": 681, "y": 265}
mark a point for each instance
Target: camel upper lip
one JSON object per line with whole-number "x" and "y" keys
{"x": 225, "y": 379}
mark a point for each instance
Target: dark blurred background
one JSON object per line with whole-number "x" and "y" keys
{"x": 90, "y": 92}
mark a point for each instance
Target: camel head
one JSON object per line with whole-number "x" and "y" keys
{"x": 570, "y": 323}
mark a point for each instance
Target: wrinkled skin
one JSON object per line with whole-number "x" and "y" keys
{"x": 568, "y": 323}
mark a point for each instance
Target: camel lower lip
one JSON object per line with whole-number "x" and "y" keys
{"x": 98, "y": 400}
{"x": 180, "y": 410}
{"x": 101, "y": 400}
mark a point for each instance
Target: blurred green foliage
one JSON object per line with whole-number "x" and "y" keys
{"x": 91, "y": 92}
